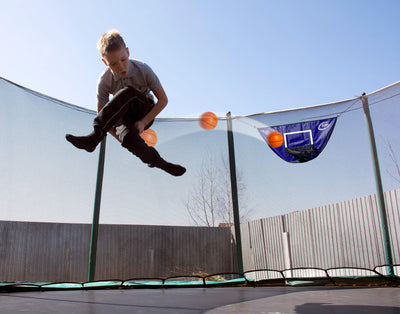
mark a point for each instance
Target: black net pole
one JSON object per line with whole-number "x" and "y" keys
{"x": 96, "y": 212}
{"x": 379, "y": 188}
{"x": 235, "y": 199}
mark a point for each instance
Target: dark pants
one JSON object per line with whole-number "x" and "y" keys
{"x": 122, "y": 111}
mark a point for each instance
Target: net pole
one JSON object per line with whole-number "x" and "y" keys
{"x": 235, "y": 199}
{"x": 379, "y": 187}
{"x": 96, "y": 212}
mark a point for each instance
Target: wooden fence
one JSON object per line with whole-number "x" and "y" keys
{"x": 51, "y": 252}
{"x": 346, "y": 234}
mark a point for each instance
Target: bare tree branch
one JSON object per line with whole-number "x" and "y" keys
{"x": 210, "y": 202}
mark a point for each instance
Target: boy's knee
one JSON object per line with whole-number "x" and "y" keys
{"x": 127, "y": 89}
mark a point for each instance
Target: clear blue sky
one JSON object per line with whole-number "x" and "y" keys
{"x": 244, "y": 57}
{"x": 211, "y": 55}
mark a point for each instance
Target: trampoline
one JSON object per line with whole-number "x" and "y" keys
{"x": 310, "y": 226}
{"x": 272, "y": 300}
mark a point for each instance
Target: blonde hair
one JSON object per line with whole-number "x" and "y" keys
{"x": 110, "y": 41}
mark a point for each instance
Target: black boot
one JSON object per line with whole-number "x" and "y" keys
{"x": 175, "y": 170}
{"x": 88, "y": 142}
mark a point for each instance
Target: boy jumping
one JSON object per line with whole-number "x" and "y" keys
{"x": 132, "y": 109}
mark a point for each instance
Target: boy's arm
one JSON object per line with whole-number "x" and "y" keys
{"x": 162, "y": 101}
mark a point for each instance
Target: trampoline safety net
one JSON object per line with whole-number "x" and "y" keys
{"x": 309, "y": 209}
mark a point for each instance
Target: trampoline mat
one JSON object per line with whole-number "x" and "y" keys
{"x": 271, "y": 300}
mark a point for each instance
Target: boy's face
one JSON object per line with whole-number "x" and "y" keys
{"x": 118, "y": 61}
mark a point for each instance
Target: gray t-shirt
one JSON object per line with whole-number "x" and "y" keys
{"x": 140, "y": 76}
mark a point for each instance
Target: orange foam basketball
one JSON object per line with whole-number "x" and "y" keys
{"x": 150, "y": 137}
{"x": 275, "y": 139}
{"x": 208, "y": 120}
